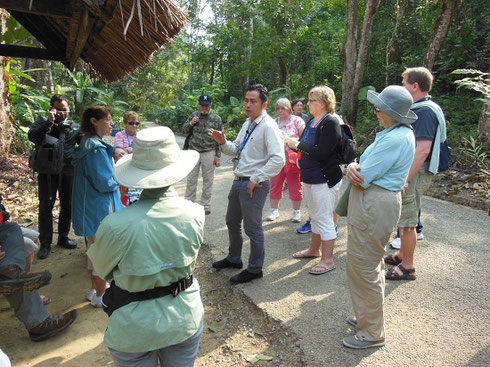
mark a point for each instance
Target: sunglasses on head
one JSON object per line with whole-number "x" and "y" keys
{"x": 133, "y": 123}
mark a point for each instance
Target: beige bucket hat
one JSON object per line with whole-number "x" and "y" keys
{"x": 156, "y": 161}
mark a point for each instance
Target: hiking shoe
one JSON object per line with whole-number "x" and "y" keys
{"x": 396, "y": 243}
{"x": 273, "y": 214}
{"x": 225, "y": 263}
{"x": 96, "y": 301}
{"x": 351, "y": 320}
{"x": 12, "y": 279}
{"x": 52, "y": 325}
{"x": 420, "y": 236}
{"x": 305, "y": 228}
{"x": 357, "y": 342}
{"x": 296, "y": 216}
{"x": 245, "y": 276}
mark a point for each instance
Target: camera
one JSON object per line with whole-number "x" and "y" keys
{"x": 4, "y": 215}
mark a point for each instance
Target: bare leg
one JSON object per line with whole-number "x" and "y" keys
{"x": 335, "y": 218}
{"x": 275, "y": 203}
{"x": 296, "y": 204}
{"x": 327, "y": 254}
{"x": 314, "y": 249}
{"x": 99, "y": 285}
{"x": 29, "y": 263}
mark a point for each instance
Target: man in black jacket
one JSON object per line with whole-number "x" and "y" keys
{"x": 50, "y": 184}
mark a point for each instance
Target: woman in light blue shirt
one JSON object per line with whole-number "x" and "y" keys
{"x": 374, "y": 209}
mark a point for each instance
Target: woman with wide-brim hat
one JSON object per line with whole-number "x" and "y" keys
{"x": 374, "y": 209}
{"x": 149, "y": 251}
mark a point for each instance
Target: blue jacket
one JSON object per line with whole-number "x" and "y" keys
{"x": 95, "y": 190}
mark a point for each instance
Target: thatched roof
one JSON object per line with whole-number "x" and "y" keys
{"x": 115, "y": 37}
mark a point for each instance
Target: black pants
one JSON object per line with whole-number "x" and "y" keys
{"x": 49, "y": 185}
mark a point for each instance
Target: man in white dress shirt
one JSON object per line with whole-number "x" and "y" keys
{"x": 259, "y": 155}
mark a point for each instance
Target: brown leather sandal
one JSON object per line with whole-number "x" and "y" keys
{"x": 407, "y": 274}
{"x": 392, "y": 260}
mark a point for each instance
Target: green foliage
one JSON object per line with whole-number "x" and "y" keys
{"x": 472, "y": 154}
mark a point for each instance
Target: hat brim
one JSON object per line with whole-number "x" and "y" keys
{"x": 408, "y": 119}
{"x": 130, "y": 176}
{"x": 205, "y": 103}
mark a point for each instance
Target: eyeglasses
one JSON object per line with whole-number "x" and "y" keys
{"x": 376, "y": 110}
{"x": 312, "y": 100}
{"x": 133, "y": 123}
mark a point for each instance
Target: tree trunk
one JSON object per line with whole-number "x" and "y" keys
{"x": 248, "y": 54}
{"x": 6, "y": 127}
{"x": 483, "y": 131}
{"x": 49, "y": 73}
{"x": 349, "y": 54}
{"x": 367, "y": 31}
{"x": 283, "y": 70}
{"x": 439, "y": 32}
{"x": 392, "y": 46}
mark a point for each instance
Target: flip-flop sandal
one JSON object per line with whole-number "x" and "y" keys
{"x": 323, "y": 269}
{"x": 45, "y": 300}
{"x": 301, "y": 255}
{"x": 392, "y": 260}
{"x": 391, "y": 274}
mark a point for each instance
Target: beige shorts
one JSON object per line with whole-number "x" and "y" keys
{"x": 412, "y": 201}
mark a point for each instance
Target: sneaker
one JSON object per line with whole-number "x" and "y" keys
{"x": 96, "y": 301}
{"x": 305, "y": 228}
{"x": 52, "y": 325}
{"x": 357, "y": 342}
{"x": 296, "y": 216}
{"x": 90, "y": 294}
{"x": 225, "y": 263}
{"x": 273, "y": 214}
{"x": 13, "y": 279}
{"x": 351, "y": 320}
{"x": 396, "y": 243}
{"x": 245, "y": 276}
{"x": 336, "y": 230}
{"x": 420, "y": 236}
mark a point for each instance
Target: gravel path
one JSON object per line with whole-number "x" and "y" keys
{"x": 442, "y": 318}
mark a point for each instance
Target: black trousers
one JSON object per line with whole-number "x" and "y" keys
{"x": 49, "y": 185}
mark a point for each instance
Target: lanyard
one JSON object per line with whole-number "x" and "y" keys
{"x": 247, "y": 136}
{"x": 130, "y": 143}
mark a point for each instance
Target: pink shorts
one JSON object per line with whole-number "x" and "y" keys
{"x": 295, "y": 187}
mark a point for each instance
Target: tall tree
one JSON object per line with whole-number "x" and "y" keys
{"x": 440, "y": 30}
{"x": 354, "y": 75}
{"x": 392, "y": 46}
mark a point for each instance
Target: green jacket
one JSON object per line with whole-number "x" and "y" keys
{"x": 152, "y": 243}
{"x": 200, "y": 140}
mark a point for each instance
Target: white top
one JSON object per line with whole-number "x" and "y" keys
{"x": 262, "y": 156}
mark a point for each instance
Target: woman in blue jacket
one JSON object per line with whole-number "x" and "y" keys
{"x": 95, "y": 190}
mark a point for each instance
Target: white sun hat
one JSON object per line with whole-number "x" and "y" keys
{"x": 157, "y": 160}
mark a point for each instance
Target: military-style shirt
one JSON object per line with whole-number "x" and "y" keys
{"x": 200, "y": 140}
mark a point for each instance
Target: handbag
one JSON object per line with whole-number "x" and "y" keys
{"x": 343, "y": 204}
{"x": 291, "y": 161}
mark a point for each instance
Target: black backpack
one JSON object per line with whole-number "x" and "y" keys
{"x": 348, "y": 147}
{"x": 48, "y": 156}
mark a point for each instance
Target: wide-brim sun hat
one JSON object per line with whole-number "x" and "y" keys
{"x": 395, "y": 101}
{"x": 156, "y": 161}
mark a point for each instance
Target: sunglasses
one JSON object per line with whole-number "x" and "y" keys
{"x": 312, "y": 100}
{"x": 376, "y": 110}
{"x": 133, "y": 123}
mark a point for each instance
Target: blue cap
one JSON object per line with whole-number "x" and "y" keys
{"x": 205, "y": 100}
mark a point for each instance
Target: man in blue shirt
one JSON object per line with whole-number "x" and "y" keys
{"x": 429, "y": 128}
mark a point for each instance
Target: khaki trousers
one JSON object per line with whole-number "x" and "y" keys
{"x": 206, "y": 164}
{"x": 372, "y": 216}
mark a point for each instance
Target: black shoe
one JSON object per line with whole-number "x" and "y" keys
{"x": 207, "y": 212}
{"x": 52, "y": 325}
{"x": 225, "y": 263}
{"x": 13, "y": 279}
{"x": 245, "y": 276}
{"x": 67, "y": 243}
{"x": 44, "y": 251}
